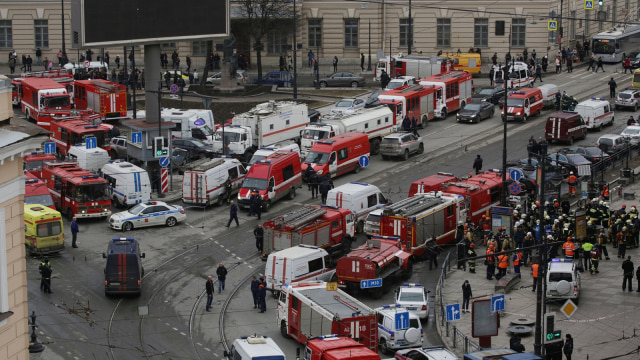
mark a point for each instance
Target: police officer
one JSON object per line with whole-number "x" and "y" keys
{"x": 227, "y": 190}
{"x": 45, "y": 271}
{"x": 325, "y": 186}
{"x": 471, "y": 253}
{"x": 262, "y": 295}
{"x": 586, "y": 253}
{"x": 44, "y": 263}
{"x": 252, "y": 202}
{"x": 313, "y": 181}
{"x": 254, "y": 291}
{"x": 517, "y": 259}
{"x": 308, "y": 173}
{"x": 258, "y": 232}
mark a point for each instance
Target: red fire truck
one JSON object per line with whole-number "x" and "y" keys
{"x": 92, "y": 118}
{"x": 453, "y": 90}
{"x": 413, "y": 100}
{"x": 328, "y": 227}
{"x": 431, "y": 183}
{"x": 42, "y": 94}
{"x": 70, "y": 131}
{"x": 308, "y": 309}
{"x": 378, "y": 260}
{"x": 422, "y": 217}
{"x": 34, "y": 162}
{"x": 104, "y": 97}
{"x": 334, "y": 347}
{"x": 36, "y": 191}
{"x": 15, "y": 96}
{"x": 480, "y": 192}
{"x": 418, "y": 66}
{"x": 77, "y": 191}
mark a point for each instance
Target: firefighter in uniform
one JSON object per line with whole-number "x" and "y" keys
{"x": 568, "y": 248}
{"x": 602, "y": 244}
{"x": 595, "y": 258}
{"x": 572, "y": 180}
{"x": 471, "y": 253}
{"x": 491, "y": 265}
{"x": 503, "y": 263}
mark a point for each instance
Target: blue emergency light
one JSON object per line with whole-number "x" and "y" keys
{"x": 91, "y": 126}
{"x": 359, "y": 183}
{"x": 556, "y": 260}
{"x": 322, "y": 337}
{"x": 28, "y": 181}
{"x": 411, "y": 284}
{"x": 122, "y": 239}
{"x": 391, "y": 306}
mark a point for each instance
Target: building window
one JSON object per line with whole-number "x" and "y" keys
{"x": 168, "y": 46}
{"x": 586, "y": 22}
{"x": 6, "y": 36}
{"x": 350, "y": 33}
{"x": 572, "y": 35}
{"x": 276, "y": 43}
{"x": 443, "y": 33}
{"x": 518, "y": 32}
{"x": 42, "y": 33}
{"x": 201, "y": 48}
{"x": 481, "y": 33}
{"x": 315, "y": 33}
{"x": 406, "y": 32}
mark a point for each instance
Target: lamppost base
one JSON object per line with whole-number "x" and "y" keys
{"x": 36, "y": 347}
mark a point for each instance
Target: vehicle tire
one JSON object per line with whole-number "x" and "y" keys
{"x": 635, "y": 107}
{"x": 354, "y": 84}
{"x": 405, "y": 156}
{"x": 385, "y": 157}
{"x": 283, "y": 329}
{"x": 28, "y": 114}
{"x": 444, "y": 113}
{"x": 375, "y": 146}
{"x": 357, "y": 169}
{"x": 384, "y": 348}
{"x": 612, "y": 119}
{"x": 584, "y": 135}
{"x": 525, "y": 118}
{"x": 424, "y": 122}
{"x": 323, "y": 84}
{"x": 265, "y": 205}
{"x": 171, "y": 222}
{"x": 421, "y": 149}
{"x": 128, "y": 226}
{"x": 292, "y": 193}
{"x": 220, "y": 201}
{"x": 600, "y": 127}
{"x": 570, "y": 141}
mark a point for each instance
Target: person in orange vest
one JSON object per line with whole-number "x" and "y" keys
{"x": 534, "y": 273}
{"x": 517, "y": 258}
{"x": 569, "y": 248}
{"x": 605, "y": 193}
{"x": 491, "y": 265}
{"x": 503, "y": 263}
{"x": 572, "y": 180}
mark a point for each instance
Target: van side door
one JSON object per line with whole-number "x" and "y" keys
{"x": 333, "y": 164}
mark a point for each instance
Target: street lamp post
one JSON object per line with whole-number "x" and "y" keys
{"x": 369, "y": 62}
{"x": 540, "y": 295}
{"x": 409, "y": 37}
{"x": 64, "y": 48}
{"x": 295, "y": 60}
{"x": 504, "y": 126}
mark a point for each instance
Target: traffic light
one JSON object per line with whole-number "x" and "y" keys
{"x": 600, "y": 2}
{"x": 550, "y": 333}
{"x": 159, "y": 150}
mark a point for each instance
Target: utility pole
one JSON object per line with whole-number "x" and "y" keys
{"x": 410, "y": 35}
{"x": 64, "y": 47}
{"x": 295, "y": 60}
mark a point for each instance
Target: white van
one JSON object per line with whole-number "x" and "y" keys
{"x": 549, "y": 92}
{"x": 93, "y": 65}
{"x": 520, "y": 70}
{"x": 205, "y": 184}
{"x": 255, "y": 347}
{"x": 263, "y": 152}
{"x": 298, "y": 263}
{"x": 190, "y": 123}
{"x": 128, "y": 184}
{"x": 361, "y": 198}
{"x": 89, "y": 159}
{"x": 596, "y": 113}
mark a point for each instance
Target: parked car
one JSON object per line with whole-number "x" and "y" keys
{"x": 197, "y": 149}
{"x": 342, "y": 79}
{"x": 216, "y": 79}
{"x": 570, "y": 162}
{"x": 490, "y": 94}
{"x": 278, "y": 78}
{"x": 475, "y": 111}
{"x": 172, "y": 73}
{"x": 611, "y": 143}
{"x": 401, "y": 144}
{"x": 400, "y": 81}
{"x": 629, "y": 98}
{"x": 591, "y": 153}
{"x": 118, "y": 146}
{"x": 632, "y": 133}
{"x": 372, "y": 100}
{"x": 348, "y": 105}
{"x": 635, "y": 60}
{"x": 147, "y": 214}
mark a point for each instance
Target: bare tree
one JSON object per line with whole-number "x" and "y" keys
{"x": 263, "y": 16}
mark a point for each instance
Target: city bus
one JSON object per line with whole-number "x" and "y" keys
{"x": 611, "y": 44}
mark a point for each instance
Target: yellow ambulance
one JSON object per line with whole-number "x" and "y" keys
{"x": 43, "y": 232}
{"x": 469, "y": 62}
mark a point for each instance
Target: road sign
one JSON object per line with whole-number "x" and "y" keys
{"x": 365, "y": 284}
{"x": 50, "y": 147}
{"x": 588, "y": 4}
{"x": 332, "y": 286}
{"x": 552, "y": 25}
{"x": 174, "y": 88}
{"x": 164, "y": 161}
{"x": 402, "y": 320}
{"x": 569, "y": 308}
{"x": 364, "y": 161}
{"x": 515, "y": 174}
{"x": 497, "y": 303}
{"x": 453, "y": 312}
{"x": 91, "y": 143}
{"x": 515, "y": 188}
{"x": 86, "y": 64}
{"x": 136, "y": 137}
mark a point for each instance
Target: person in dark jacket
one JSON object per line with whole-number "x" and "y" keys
{"x": 254, "y": 291}
{"x": 406, "y": 123}
{"x": 362, "y": 61}
{"x": 45, "y": 272}
{"x": 325, "y": 186}
{"x": 627, "y": 273}
{"x": 313, "y": 181}
{"x": 384, "y": 79}
{"x": 222, "y": 276}
{"x": 308, "y": 173}
{"x": 567, "y": 348}
{"x": 262, "y": 295}
{"x": 599, "y": 62}
{"x": 466, "y": 296}
{"x": 414, "y": 126}
{"x": 477, "y": 164}
{"x": 209, "y": 288}
{"x": 233, "y": 214}
{"x": 258, "y": 232}
{"x": 612, "y": 88}
{"x": 74, "y": 232}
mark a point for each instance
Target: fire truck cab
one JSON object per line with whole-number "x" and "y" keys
{"x": 413, "y": 100}
{"x": 453, "y": 90}
{"x": 42, "y": 94}
{"x": 104, "y": 97}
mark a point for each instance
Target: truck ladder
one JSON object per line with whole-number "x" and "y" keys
{"x": 106, "y": 87}
{"x": 419, "y": 207}
{"x": 414, "y": 87}
{"x": 404, "y": 203}
{"x": 210, "y": 164}
{"x": 299, "y": 217}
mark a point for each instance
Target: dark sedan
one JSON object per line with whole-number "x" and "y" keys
{"x": 490, "y": 94}
{"x": 278, "y": 78}
{"x": 590, "y": 153}
{"x": 475, "y": 111}
{"x": 372, "y": 100}
{"x": 570, "y": 162}
{"x": 196, "y": 148}
{"x": 342, "y": 79}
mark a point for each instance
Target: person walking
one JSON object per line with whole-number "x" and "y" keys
{"x": 567, "y": 348}
{"x": 558, "y": 65}
{"x": 477, "y": 164}
{"x": 325, "y": 186}
{"x": 313, "y": 181}
{"x": 221, "y": 271}
{"x": 414, "y": 126}
{"x": 586, "y": 254}
{"x": 592, "y": 64}
{"x": 612, "y": 88}
{"x": 196, "y": 77}
{"x": 74, "y": 232}
{"x": 209, "y": 289}
{"x": 568, "y": 247}
{"x": 254, "y": 291}
{"x": 362, "y": 61}
{"x": 534, "y": 274}
{"x": 538, "y": 73}
{"x": 570, "y": 64}
{"x": 258, "y": 232}
{"x": 627, "y": 65}
{"x": 335, "y": 64}
{"x": 491, "y": 266}
{"x": 311, "y": 57}
{"x": 233, "y": 214}
{"x": 466, "y": 296}
{"x": 572, "y": 180}
{"x": 599, "y": 66}
{"x": 262, "y": 295}
{"x": 627, "y": 273}
{"x": 46, "y": 270}
{"x": 595, "y": 259}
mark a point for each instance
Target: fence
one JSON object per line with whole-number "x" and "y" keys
{"x": 458, "y": 340}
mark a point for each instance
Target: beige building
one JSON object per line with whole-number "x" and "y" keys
{"x": 17, "y": 137}
{"x": 348, "y": 28}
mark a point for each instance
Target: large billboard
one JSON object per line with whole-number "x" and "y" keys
{"x": 99, "y": 23}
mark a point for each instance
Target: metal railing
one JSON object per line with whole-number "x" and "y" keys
{"x": 458, "y": 339}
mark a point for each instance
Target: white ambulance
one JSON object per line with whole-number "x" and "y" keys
{"x": 596, "y": 113}
{"x": 361, "y": 198}
{"x": 205, "y": 184}
{"x": 254, "y": 348}
{"x": 89, "y": 159}
{"x": 298, "y": 263}
{"x": 128, "y": 184}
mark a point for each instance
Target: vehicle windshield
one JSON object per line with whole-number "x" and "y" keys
{"x": 515, "y": 102}
{"x": 396, "y": 108}
{"x": 93, "y": 192}
{"x": 34, "y": 165}
{"x": 45, "y": 200}
{"x": 137, "y": 209}
{"x": 52, "y": 102}
{"x": 206, "y": 130}
{"x": 344, "y": 103}
{"x": 394, "y": 84}
{"x": 486, "y": 92}
{"x": 390, "y": 141}
{"x": 604, "y": 46}
{"x": 472, "y": 107}
{"x": 315, "y": 157}
{"x": 624, "y": 95}
{"x": 411, "y": 296}
{"x": 253, "y": 183}
{"x": 255, "y": 158}
{"x": 315, "y": 134}
{"x": 631, "y": 131}
{"x": 636, "y": 77}
{"x": 100, "y": 135}
{"x": 229, "y": 137}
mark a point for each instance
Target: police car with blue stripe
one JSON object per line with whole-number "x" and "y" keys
{"x": 398, "y": 329}
{"x": 151, "y": 213}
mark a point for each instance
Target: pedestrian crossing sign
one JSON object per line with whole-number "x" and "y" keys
{"x": 552, "y": 25}
{"x": 588, "y": 4}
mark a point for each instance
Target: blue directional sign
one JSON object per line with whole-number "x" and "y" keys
{"x": 136, "y": 137}
{"x": 453, "y": 312}
{"x": 174, "y": 88}
{"x": 552, "y": 25}
{"x": 164, "y": 161}
{"x": 91, "y": 143}
{"x": 515, "y": 174}
{"x": 497, "y": 303}
{"x": 402, "y": 320}
{"x": 364, "y": 161}
{"x": 365, "y": 284}
{"x": 588, "y": 4}
{"x": 50, "y": 147}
